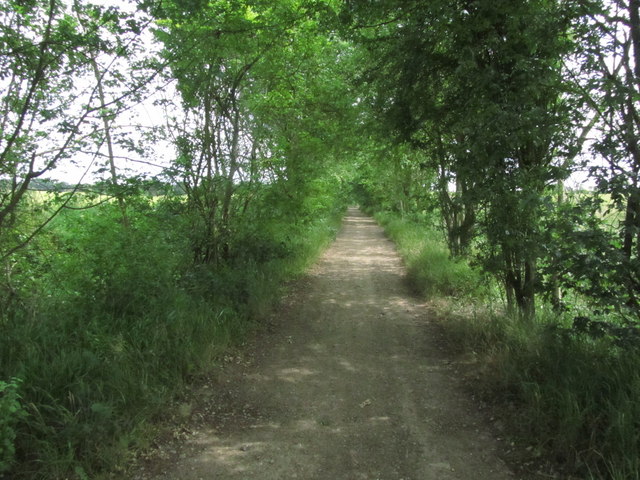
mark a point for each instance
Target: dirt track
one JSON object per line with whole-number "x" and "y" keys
{"x": 349, "y": 384}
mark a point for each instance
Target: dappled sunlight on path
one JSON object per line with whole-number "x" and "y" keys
{"x": 348, "y": 386}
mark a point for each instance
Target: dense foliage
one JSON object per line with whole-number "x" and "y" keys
{"x": 464, "y": 118}
{"x": 501, "y": 101}
{"x": 504, "y": 103}
{"x": 114, "y": 294}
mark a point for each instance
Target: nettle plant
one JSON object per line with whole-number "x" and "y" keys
{"x": 10, "y": 414}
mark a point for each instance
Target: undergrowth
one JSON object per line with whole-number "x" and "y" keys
{"x": 431, "y": 270}
{"x": 104, "y": 323}
{"x": 569, "y": 398}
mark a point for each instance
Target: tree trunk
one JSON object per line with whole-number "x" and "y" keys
{"x": 528, "y": 300}
{"x": 556, "y": 291}
{"x": 108, "y": 140}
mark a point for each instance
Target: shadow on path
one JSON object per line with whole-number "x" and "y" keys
{"x": 349, "y": 386}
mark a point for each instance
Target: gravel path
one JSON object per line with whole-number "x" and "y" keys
{"x": 349, "y": 384}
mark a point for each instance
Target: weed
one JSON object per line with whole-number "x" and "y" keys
{"x": 11, "y": 411}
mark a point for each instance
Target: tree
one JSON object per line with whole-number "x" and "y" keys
{"x": 478, "y": 87}
{"x": 245, "y": 77}
{"x": 51, "y": 109}
{"x": 598, "y": 256}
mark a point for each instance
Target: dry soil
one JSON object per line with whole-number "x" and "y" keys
{"x": 349, "y": 384}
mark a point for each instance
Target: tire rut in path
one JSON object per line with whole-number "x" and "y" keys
{"x": 351, "y": 385}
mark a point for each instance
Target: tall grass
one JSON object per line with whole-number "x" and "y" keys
{"x": 569, "y": 399}
{"x": 574, "y": 397}
{"x": 103, "y": 324}
{"x": 431, "y": 269}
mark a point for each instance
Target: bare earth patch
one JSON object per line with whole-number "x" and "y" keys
{"x": 348, "y": 384}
